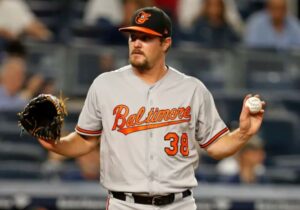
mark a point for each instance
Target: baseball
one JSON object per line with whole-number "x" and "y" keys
{"x": 254, "y": 104}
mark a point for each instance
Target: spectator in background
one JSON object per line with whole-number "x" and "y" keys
{"x": 273, "y": 28}
{"x": 32, "y": 86}
{"x": 211, "y": 29}
{"x": 113, "y": 36}
{"x": 171, "y": 9}
{"x": 107, "y": 20}
{"x": 15, "y": 48}
{"x": 189, "y": 9}
{"x": 17, "y": 19}
{"x": 249, "y": 7}
{"x": 49, "y": 86}
{"x": 247, "y": 166}
{"x": 12, "y": 78}
{"x": 169, "y": 6}
{"x": 37, "y": 84}
{"x": 102, "y": 9}
{"x": 129, "y": 7}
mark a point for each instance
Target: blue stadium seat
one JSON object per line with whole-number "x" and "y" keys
{"x": 11, "y": 132}
{"x": 233, "y": 104}
{"x": 207, "y": 173}
{"x": 87, "y": 65}
{"x": 20, "y": 170}
{"x": 201, "y": 64}
{"x": 77, "y": 9}
{"x": 71, "y": 121}
{"x": 292, "y": 104}
{"x": 22, "y": 152}
{"x": 268, "y": 70}
{"x": 279, "y": 134}
{"x": 9, "y": 116}
{"x": 222, "y": 108}
{"x": 48, "y": 60}
{"x": 90, "y": 62}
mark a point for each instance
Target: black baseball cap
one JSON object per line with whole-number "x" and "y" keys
{"x": 150, "y": 20}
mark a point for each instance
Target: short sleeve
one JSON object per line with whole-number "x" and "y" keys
{"x": 89, "y": 122}
{"x": 209, "y": 124}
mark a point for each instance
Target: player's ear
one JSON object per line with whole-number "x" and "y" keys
{"x": 167, "y": 44}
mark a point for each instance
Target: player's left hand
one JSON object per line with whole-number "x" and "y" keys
{"x": 250, "y": 123}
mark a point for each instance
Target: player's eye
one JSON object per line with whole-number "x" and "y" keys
{"x": 143, "y": 38}
{"x": 133, "y": 38}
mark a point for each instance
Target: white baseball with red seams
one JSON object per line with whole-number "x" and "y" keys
{"x": 254, "y": 104}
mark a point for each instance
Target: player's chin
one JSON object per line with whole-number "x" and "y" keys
{"x": 138, "y": 63}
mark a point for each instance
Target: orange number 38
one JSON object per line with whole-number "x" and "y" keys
{"x": 177, "y": 144}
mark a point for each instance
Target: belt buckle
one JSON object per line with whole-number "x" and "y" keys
{"x": 156, "y": 201}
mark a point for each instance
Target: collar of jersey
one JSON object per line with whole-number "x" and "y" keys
{"x": 156, "y": 84}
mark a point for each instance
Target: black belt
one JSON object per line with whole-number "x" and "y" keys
{"x": 157, "y": 200}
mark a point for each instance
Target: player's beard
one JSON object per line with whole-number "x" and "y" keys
{"x": 141, "y": 65}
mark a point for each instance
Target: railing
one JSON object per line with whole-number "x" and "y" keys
{"x": 92, "y": 196}
{"x": 76, "y": 66}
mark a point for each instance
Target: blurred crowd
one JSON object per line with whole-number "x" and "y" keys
{"x": 265, "y": 24}
{"x": 217, "y": 24}
{"x": 210, "y": 23}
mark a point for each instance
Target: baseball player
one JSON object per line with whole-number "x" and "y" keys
{"x": 149, "y": 121}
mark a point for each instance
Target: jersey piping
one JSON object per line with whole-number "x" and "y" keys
{"x": 213, "y": 139}
{"x": 87, "y": 132}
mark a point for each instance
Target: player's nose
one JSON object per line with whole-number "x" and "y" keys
{"x": 137, "y": 43}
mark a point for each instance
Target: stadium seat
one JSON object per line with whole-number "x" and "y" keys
{"x": 9, "y": 116}
{"x": 10, "y": 132}
{"x": 267, "y": 70}
{"x": 22, "y": 152}
{"x": 233, "y": 104}
{"x": 203, "y": 64}
{"x": 71, "y": 121}
{"x": 292, "y": 104}
{"x": 20, "y": 170}
{"x": 46, "y": 59}
{"x": 207, "y": 173}
{"x": 86, "y": 65}
{"x": 54, "y": 14}
{"x": 279, "y": 133}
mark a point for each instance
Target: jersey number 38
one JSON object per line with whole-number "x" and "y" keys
{"x": 177, "y": 144}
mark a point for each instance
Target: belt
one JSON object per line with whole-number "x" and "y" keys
{"x": 157, "y": 200}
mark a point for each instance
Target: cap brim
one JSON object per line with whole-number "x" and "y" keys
{"x": 140, "y": 29}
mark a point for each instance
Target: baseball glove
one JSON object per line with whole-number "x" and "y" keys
{"x": 43, "y": 117}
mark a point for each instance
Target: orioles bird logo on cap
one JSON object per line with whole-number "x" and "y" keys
{"x": 142, "y": 17}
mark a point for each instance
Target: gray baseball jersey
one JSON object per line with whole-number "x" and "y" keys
{"x": 150, "y": 134}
